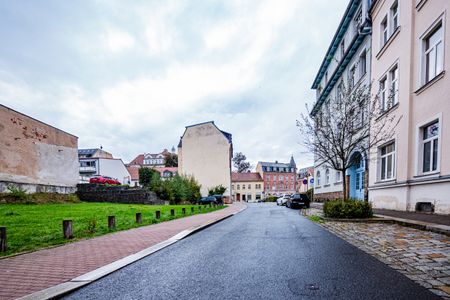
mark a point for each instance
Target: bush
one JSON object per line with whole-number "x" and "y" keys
{"x": 349, "y": 209}
{"x": 271, "y": 199}
{"x": 177, "y": 189}
{"x": 217, "y": 190}
{"x": 17, "y": 193}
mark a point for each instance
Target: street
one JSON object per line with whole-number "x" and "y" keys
{"x": 264, "y": 252}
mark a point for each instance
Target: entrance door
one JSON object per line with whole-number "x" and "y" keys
{"x": 357, "y": 182}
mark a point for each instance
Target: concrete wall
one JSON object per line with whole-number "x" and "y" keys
{"x": 206, "y": 154}
{"x": 34, "y": 153}
{"x": 114, "y": 168}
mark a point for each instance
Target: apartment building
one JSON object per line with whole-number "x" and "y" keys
{"x": 279, "y": 178}
{"x": 410, "y": 58}
{"x": 248, "y": 186}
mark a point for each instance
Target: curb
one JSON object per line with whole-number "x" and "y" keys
{"x": 437, "y": 228}
{"x": 62, "y": 289}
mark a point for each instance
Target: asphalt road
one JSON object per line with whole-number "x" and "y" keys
{"x": 264, "y": 252}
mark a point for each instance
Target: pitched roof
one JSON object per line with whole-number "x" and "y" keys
{"x": 227, "y": 135}
{"x": 274, "y": 164}
{"x": 134, "y": 172}
{"x": 249, "y": 176}
{"x": 87, "y": 151}
{"x": 139, "y": 160}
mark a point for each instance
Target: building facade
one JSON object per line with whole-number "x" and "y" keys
{"x": 35, "y": 156}
{"x": 149, "y": 160}
{"x": 410, "y": 58}
{"x": 247, "y": 186}
{"x": 305, "y": 179}
{"x": 205, "y": 152}
{"x": 346, "y": 63}
{"x": 279, "y": 178}
{"x": 95, "y": 162}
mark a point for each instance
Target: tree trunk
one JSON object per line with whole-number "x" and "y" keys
{"x": 344, "y": 184}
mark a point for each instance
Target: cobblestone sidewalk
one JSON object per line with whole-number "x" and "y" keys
{"x": 420, "y": 255}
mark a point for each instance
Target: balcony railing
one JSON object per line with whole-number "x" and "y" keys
{"x": 88, "y": 169}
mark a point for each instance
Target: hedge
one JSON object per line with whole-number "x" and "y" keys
{"x": 348, "y": 209}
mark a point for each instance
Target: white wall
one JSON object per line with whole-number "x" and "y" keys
{"x": 114, "y": 168}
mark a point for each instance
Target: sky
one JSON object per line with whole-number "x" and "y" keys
{"x": 130, "y": 75}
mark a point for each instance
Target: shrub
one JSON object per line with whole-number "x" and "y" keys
{"x": 271, "y": 199}
{"x": 217, "y": 190}
{"x": 349, "y": 209}
{"x": 17, "y": 193}
{"x": 177, "y": 189}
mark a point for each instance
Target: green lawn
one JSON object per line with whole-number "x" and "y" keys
{"x": 34, "y": 226}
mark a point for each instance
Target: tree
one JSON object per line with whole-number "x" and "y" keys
{"x": 239, "y": 161}
{"x": 217, "y": 190}
{"x": 149, "y": 178}
{"x": 171, "y": 159}
{"x": 353, "y": 121}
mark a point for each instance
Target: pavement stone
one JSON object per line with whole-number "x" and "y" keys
{"x": 422, "y": 256}
{"x": 31, "y": 272}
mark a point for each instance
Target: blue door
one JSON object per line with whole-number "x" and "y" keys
{"x": 357, "y": 182}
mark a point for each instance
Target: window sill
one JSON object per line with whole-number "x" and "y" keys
{"x": 420, "y": 4}
{"x": 428, "y": 174}
{"x": 393, "y": 180}
{"x": 339, "y": 182}
{"x": 387, "y": 111}
{"x": 388, "y": 42}
{"x": 430, "y": 83}
{"x": 326, "y": 185}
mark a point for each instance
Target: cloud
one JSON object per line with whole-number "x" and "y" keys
{"x": 117, "y": 40}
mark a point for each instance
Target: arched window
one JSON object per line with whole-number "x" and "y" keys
{"x": 319, "y": 179}
{"x": 327, "y": 176}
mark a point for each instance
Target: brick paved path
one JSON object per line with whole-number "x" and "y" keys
{"x": 32, "y": 272}
{"x": 420, "y": 255}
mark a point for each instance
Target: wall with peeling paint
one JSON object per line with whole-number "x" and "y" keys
{"x": 34, "y": 153}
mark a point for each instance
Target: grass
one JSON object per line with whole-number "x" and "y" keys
{"x": 316, "y": 219}
{"x": 35, "y": 226}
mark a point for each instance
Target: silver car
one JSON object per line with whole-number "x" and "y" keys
{"x": 282, "y": 200}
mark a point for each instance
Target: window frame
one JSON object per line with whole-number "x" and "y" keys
{"x": 384, "y": 31}
{"x": 423, "y": 78}
{"x": 419, "y": 145}
{"x": 327, "y": 176}
{"x": 319, "y": 178}
{"x": 393, "y": 15}
{"x": 385, "y": 156}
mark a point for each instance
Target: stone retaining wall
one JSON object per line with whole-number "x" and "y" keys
{"x": 116, "y": 194}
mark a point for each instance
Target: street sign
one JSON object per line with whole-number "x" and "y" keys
{"x": 311, "y": 180}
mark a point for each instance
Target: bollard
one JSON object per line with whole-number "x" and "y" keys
{"x": 139, "y": 218}
{"x": 199, "y": 208}
{"x": 67, "y": 229}
{"x": 158, "y": 214}
{"x": 172, "y": 212}
{"x": 111, "y": 222}
{"x": 183, "y": 210}
{"x": 3, "y": 247}
{"x": 192, "y": 209}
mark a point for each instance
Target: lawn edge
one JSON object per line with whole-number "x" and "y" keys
{"x": 64, "y": 288}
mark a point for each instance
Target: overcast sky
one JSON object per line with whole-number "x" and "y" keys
{"x": 130, "y": 75}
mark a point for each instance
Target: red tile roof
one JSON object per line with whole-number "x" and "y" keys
{"x": 139, "y": 160}
{"x": 250, "y": 176}
{"x": 134, "y": 172}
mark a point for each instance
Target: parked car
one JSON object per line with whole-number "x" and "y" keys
{"x": 219, "y": 198}
{"x": 104, "y": 180}
{"x": 208, "y": 200}
{"x": 298, "y": 200}
{"x": 283, "y": 199}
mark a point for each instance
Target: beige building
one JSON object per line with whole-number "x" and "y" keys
{"x": 410, "y": 58}
{"x": 205, "y": 152}
{"x": 247, "y": 186}
{"x": 35, "y": 156}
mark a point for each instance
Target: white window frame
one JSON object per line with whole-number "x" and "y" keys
{"x": 393, "y": 15}
{"x": 384, "y": 32}
{"x": 327, "y": 176}
{"x": 394, "y": 81}
{"x": 338, "y": 176}
{"x": 419, "y": 145}
{"x": 383, "y": 83}
{"x": 362, "y": 67}
{"x": 319, "y": 178}
{"x": 385, "y": 156}
{"x": 423, "y": 80}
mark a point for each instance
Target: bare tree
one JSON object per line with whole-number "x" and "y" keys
{"x": 352, "y": 121}
{"x": 240, "y": 163}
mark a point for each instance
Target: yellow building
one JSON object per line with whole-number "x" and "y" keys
{"x": 247, "y": 187}
{"x": 205, "y": 152}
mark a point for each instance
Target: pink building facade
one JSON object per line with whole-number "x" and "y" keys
{"x": 410, "y": 62}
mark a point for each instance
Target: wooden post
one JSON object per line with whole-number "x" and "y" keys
{"x": 158, "y": 214}
{"x": 183, "y": 210}
{"x": 192, "y": 209}
{"x": 67, "y": 229}
{"x": 111, "y": 222}
{"x": 3, "y": 247}
{"x": 172, "y": 212}
{"x": 139, "y": 218}
{"x": 199, "y": 208}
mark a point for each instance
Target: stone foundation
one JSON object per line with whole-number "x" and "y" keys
{"x": 116, "y": 194}
{"x": 37, "y": 188}
{"x": 323, "y": 197}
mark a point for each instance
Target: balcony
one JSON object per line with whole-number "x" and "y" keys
{"x": 88, "y": 169}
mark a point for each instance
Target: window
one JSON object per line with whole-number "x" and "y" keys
{"x": 238, "y": 187}
{"x": 387, "y": 161}
{"x": 430, "y": 147}
{"x": 358, "y": 19}
{"x": 433, "y": 53}
{"x": 342, "y": 48}
{"x": 243, "y": 186}
{"x": 249, "y": 197}
{"x": 383, "y": 95}
{"x": 351, "y": 77}
{"x": 393, "y": 76}
{"x": 319, "y": 179}
{"x": 249, "y": 186}
{"x": 281, "y": 177}
{"x": 232, "y": 186}
{"x": 327, "y": 176}
{"x": 384, "y": 32}
{"x": 338, "y": 176}
{"x": 362, "y": 64}
{"x": 394, "y": 16}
